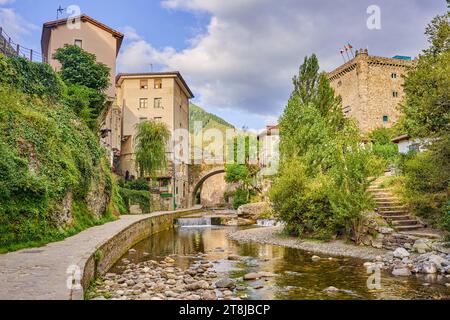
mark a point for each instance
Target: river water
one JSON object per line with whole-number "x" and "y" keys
{"x": 298, "y": 277}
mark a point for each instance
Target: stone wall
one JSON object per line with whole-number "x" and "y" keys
{"x": 108, "y": 253}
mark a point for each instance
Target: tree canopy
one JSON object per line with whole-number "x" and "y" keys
{"x": 151, "y": 141}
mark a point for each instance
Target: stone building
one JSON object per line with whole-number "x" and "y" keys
{"x": 160, "y": 96}
{"x": 101, "y": 40}
{"x": 371, "y": 88}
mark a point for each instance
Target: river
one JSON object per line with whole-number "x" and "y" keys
{"x": 297, "y": 276}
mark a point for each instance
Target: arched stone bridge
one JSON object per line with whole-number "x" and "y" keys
{"x": 198, "y": 175}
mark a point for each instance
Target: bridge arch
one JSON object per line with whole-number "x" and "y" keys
{"x": 203, "y": 177}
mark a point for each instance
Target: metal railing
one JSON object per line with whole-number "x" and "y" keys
{"x": 13, "y": 49}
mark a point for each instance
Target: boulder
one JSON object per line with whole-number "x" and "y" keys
{"x": 331, "y": 290}
{"x": 438, "y": 260}
{"x": 315, "y": 258}
{"x": 254, "y": 211}
{"x": 401, "y": 253}
{"x": 225, "y": 283}
{"x": 422, "y": 246}
{"x": 252, "y": 276}
{"x": 401, "y": 272}
{"x": 429, "y": 268}
{"x": 442, "y": 247}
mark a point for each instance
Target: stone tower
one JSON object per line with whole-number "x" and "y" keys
{"x": 371, "y": 88}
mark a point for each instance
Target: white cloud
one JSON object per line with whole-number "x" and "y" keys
{"x": 251, "y": 49}
{"x": 14, "y": 24}
{"x": 3, "y": 2}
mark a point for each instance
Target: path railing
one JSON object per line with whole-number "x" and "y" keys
{"x": 13, "y": 49}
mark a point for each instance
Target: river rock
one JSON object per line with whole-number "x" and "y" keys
{"x": 331, "y": 290}
{"x": 401, "y": 272}
{"x": 252, "y": 276}
{"x": 225, "y": 283}
{"x": 130, "y": 283}
{"x": 422, "y": 246}
{"x": 401, "y": 253}
{"x": 442, "y": 247}
{"x": 429, "y": 268}
{"x": 234, "y": 257}
{"x": 315, "y": 258}
{"x": 169, "y": 260}
{"x": 438, "y": 260}
{"x": 198, "y": 285}
{"x": 209, "y": 296}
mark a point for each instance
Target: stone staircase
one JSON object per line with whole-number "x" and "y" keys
{"x": 391, "y": 208}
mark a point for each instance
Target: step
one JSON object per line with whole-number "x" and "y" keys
{"x": 393, "y": 209}
{"x": 423, "y": 235}
{"x": 403, "y": 213}
{"x": 397, "y": 218}
{"x": 387, "y": 199}
{"x": 405, "y": 222}
{"x": 410, "y": 227}
{"x": 391, "y": 205}
{"x": 378, "y": 190}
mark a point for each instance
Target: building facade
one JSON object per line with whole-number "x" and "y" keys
{"x": 101, "y": 40}
{"x": 371, "y": 88}
{"x": 161, "y": 97}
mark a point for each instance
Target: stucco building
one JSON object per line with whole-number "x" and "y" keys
{"x": 101, "y": 40}
{"x": 161, "y": 96}
{"x": 371, "y": 88}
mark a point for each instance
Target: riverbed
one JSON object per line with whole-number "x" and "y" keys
{"x": 295, "y": 274}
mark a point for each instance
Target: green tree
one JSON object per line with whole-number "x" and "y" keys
{"x": 427, "y": 115}
{"x": 321, "y": 188}
{"x": 79, "y": 67}
{"x": 427, "y": 104}
{"x": 87, "y": 80}
{"x": 151, "y": 141}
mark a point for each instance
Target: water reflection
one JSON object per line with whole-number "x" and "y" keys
{"x": 298, "y": 277}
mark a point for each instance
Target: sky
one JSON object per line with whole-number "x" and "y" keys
{"x": 239, "y": 56}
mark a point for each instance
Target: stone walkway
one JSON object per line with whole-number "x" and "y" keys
{"x": 42, "y": 273}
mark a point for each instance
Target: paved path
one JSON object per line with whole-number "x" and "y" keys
{"x": 42, "y": 273}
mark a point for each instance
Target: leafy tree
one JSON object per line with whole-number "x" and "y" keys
{"x": 86, "y": 80}
{"x": 382, "y": 145}
{"x": 79, "y": 67}
{"x": 321, "y": 188}
{"x": 427, "y": 115}
{"x": 427, "y": 103}
{"x": 151, "y": 141}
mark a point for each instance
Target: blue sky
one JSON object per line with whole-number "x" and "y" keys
{"x": 238, "y": 56}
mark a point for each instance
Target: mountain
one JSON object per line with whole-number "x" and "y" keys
{"x": 208, "y": 120}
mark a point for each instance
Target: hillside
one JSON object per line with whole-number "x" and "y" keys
{"x": 55, "y": 180}
{"x": 209, "y": 120}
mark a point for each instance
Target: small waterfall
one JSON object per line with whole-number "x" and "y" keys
{"x": 194, "y": 222}
{"x": 269, "y": 223}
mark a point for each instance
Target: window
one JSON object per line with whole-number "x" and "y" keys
{"x": 144, "y": 84}
{"x": 157, "y": 118}
{"x": 158, "y": 103}
{"x": 394, "y": 75}
{"x": 79, "y": 43}
{"x": 385, "y": 119}
{"x": 339, "y": 83}
{"x": 143, "y": 103}
{"x": 158, "y": 83}
{"x": 143, "y": 119}
{"x": 395, "y": 94}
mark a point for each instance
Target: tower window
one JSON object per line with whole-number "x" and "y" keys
{"x": 394, "y": 75}
{"x": 385, "y": 119}
{"x": 395, "y": 94}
